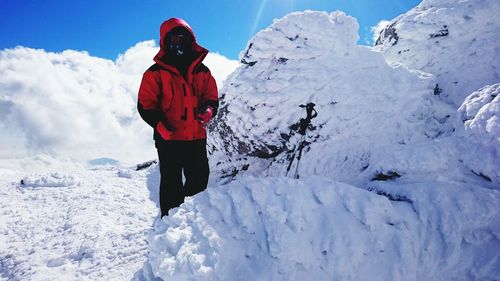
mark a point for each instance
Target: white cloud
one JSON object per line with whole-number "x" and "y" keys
{"x": 377, "y": 28}
{"x": 76, "y": 105}
{"x": 220, "y": 66}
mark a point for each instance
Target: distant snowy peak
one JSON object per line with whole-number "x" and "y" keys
{"x": 457, "y": 41}
{"x": 302, "y": 35}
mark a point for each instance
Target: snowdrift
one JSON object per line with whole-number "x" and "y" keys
{"x": 318, "y": 229}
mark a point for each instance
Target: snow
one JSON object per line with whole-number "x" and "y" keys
{"x": 464, "y": 60}
{"x": 480, "y": 112}
{"x": 367, "y": 110}
{"x": 93, "y": 230}
{"x": 53, "y": 179}
{"x": 386, "y": 189}
{"x": 397, "y": 179}
{"x": 478, "y": 129}
{"x": 318, "y": 229}
{"x": 124, "y": 173}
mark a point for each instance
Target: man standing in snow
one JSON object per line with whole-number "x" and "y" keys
{"x": 177, "y": 97}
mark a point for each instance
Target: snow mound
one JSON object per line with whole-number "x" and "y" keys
{"x": 55, "y": 179}
{"x": 318, "y": 229}
{"x": 124, "y": 173}
{"x": 457, "y": 41}
{"x": 366, "y": 108}
{"x": 478, "y": 129}
{"x": 480, "y": 114}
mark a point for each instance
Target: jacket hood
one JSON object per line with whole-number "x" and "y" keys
{"x": 168, "y": 26}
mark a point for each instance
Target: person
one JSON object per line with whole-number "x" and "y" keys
{"x": 177, "y": 97}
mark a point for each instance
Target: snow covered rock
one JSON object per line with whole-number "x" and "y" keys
{"x": 457, "y": 41}
{"x": 318, "y": 229}
{"x": 480, "y": 114}
{"x": 479, "y": 126}
{"x": 366, "y": 108}
{"x": 302, "y": 35}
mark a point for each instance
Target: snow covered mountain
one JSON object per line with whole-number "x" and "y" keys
{"x": 397, "y": 180}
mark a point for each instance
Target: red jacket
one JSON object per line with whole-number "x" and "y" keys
{"x": 168, "y": 99}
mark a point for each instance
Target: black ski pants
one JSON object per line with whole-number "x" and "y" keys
{"x": 178, "y": 158}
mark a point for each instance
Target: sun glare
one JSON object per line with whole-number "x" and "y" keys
{"x": 258, "y": 17}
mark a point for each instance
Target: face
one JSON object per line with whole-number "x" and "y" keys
{"x": 179, "y": 42}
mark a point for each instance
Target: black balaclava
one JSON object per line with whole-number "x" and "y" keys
{"x": 178, "y": 45}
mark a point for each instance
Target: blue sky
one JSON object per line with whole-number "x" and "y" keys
{"x": 108, "y": 28}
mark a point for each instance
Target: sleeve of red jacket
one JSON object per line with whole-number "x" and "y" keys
{"x": 148, "y": 99}
{"x": 210, "y": 95}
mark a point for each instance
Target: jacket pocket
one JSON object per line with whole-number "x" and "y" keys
{"x": 163, "y": 131}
